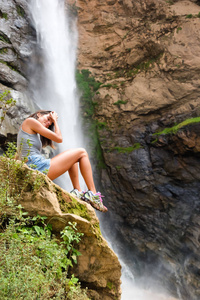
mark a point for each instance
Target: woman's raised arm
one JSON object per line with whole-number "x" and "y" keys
{"x": 37, "y": 127}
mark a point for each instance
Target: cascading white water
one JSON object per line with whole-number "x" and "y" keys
{"x": 130, "y": 288}
{"x": 53, "y": 86}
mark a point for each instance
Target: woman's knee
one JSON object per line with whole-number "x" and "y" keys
{"x": 83, "y": 152}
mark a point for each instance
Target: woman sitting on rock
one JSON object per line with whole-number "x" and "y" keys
{"x": 41, "y": 129}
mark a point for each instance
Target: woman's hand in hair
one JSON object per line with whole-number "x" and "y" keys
{"x": 54, "y": 116}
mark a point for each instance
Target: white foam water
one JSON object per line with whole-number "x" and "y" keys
{"x": 130, "y": 290}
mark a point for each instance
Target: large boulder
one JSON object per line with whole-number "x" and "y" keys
{"x": 98, "y": 267}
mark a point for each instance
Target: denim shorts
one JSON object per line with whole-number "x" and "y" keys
{"x": 39, "y": 162}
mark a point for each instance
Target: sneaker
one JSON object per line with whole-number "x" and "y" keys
{"x": 95, "y": 200}
{"x": 77, "y": 194}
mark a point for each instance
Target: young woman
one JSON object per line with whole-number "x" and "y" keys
{"x": 41, "y": 129}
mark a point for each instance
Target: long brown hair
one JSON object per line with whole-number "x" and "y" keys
{"x": 45, "y": 141}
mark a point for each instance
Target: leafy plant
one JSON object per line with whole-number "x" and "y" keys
{"x": 33, "y": 263}
{"x": 6, "y": 102}
{"x": 71, "y": 237}
{"x": 11, "y": 150}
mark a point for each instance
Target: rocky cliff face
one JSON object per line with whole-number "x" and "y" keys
{"x": 15, "y": 53}
{"x": 146, "y": 54}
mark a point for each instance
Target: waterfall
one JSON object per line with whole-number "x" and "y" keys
{"x": 52, "y": 82}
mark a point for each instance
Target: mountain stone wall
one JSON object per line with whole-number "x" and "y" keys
{"x": 146, "y": 55}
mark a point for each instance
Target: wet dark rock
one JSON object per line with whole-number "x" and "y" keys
{"x": 15, "y": 52}
{"x": 156, "y": 193}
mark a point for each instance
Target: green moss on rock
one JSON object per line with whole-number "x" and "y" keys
{"x": 175, "y": 128}
{"x": 78, "y": 209}
{"x": 126, "y": 149}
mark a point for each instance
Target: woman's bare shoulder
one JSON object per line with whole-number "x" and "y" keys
{"x": 27, "y": 124}
{"x": 30, "y": 120}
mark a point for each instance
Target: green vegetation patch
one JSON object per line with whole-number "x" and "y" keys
{"x": 77, "y": 208}
{"x": 142, "y": 67}
{"x": 178, "y": 29}
{"x": 34, "y": 264}
{"x": 74, "y": 207}
{"x": 190, "y": 16}
{"x": 109, "y": 285}
{"x": 20, "y": 11}
{"x": 119, "y": 102}
{"x": 101, "y": 125}
{"x": 6, "y": 102}
{"x": 4, "y": 38}
{"x": 174, "y": 129}
{"x": 171, "y": 2}
{"x": 130, "y": 149}
{"x": 97, "y": 231}
{"x": 3, "y": 15}
{"x": 89, "y": 87}
{"x": 3, "y": 50}
{"x": 110, "y": 85}
{"x": 118, "y": 167}
{"x": 11, "y": 66}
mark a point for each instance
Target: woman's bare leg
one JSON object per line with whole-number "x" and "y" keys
{"x": 65, "y": 161}
{"x": 73, "y": 173}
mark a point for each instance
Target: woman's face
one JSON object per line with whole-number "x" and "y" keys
{"x": 45, "y": 120}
